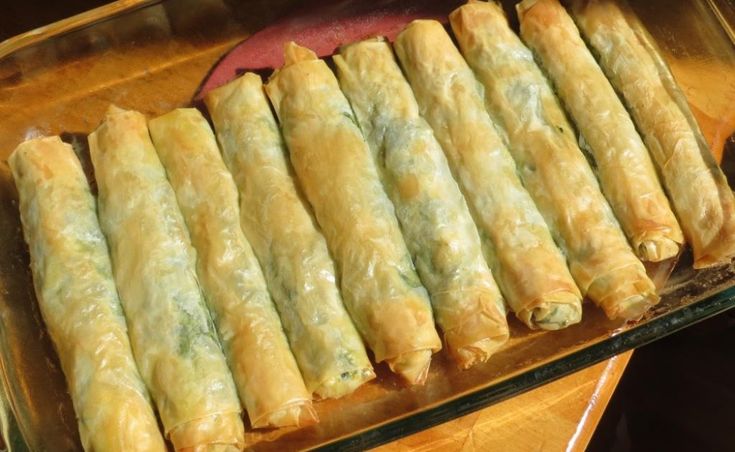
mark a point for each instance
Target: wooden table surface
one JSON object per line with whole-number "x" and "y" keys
{"x": 561, "y": 415}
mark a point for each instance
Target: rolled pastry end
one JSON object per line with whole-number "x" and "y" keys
{"x": 633, "y": 307}
{"x": 719, "y": 252}
{"x": 413, "y": 367}
{"x": 555, "y": 312}
{"x": 657, "y": 250}
{"x": 629, "y": 300}
{"x": 296, "y": 414}
{"x": 556, "y": 316}
{"x": 478, "y": 352}
{"x": 479, "y": 336}
{"x": 343, "y": 384}
{"x": 217, "y": 432}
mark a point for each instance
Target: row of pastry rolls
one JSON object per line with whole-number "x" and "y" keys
{"x": 697, "y": 186}
{"x": 604, "y": 265}
{"x": 432, "y": 212}
{"x": 627, "y": 174}
{"x": 375, "y": 156}
{"x": 529, "y": 267}
{"x": 148, "y": 197}
{"x": 265, "y": 371}
{"x": 174, "y": 341}
{"x": 552, "y": 167}
{"x": 289, "y": 246}
{"x": 72, "y": 276}
{"x": 381, "y": 290}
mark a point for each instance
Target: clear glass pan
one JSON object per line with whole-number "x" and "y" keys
{"x": 152, "y": 56}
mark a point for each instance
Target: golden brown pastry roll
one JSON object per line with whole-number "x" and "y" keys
{"x": 433, "y": 215}
{"x": 265, "y": 371}
{"x": 529, "y": 268}
{"x": 695, "y": 183}
{"x": 551, "y": 165}
{"x": 284, "y": 236}
{"x": 380, "y": 286}
{"x": 76, "y": 293}
{"x": 174, "y": 340}
{"x": 627, "y": 175}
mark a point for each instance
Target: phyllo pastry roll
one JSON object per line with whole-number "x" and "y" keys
{"x": 265, "y": 371}
{"x": 76, "y": 294}
{"x": 293, "y": 253}
{"x": 697, "y": 187}
{"x": 380, "y": 286}
{"x": 529, "y": 268}
{"x": 627, "y": 175}
{"x": 174, "y": 340}
{"x": 551, "y": 165}
{"x": 432, "y": 213}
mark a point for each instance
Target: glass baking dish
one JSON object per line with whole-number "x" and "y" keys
{"x": 153, "y": 55}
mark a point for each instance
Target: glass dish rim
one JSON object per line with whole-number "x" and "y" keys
{"x": 620, "y": 342}
{"x": 109, "y": 11}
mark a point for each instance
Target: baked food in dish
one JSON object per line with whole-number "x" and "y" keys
{"x": 174, "y": 341}
{"x": 433, "y": 215}
{"x": 265, "y": 372}
{"x": 528, "y": 266}
{"x": 78, "y": 300}
{"x": 699, "y": 191}
{"x": 551, "y": 165}
{"x": 627, "y": 175}
{"x": 292, "y": 251}
{"x": 381, "y": 289}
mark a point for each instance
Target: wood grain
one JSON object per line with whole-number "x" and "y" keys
{"x": 561, "y": 415}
